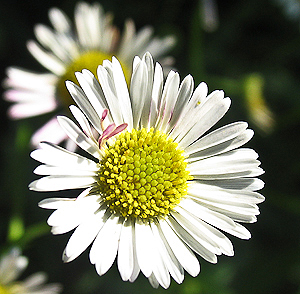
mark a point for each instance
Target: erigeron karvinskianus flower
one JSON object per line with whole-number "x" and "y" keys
{"x": 11, "y": 267}
{"x": 159, "y": 186}
{"x": 66, "y": 49}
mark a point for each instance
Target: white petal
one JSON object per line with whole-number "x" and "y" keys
{"x": 83, "y": 236}
{"x": 205, "y": 122}
{"x": 242, "y": 160}
{"x": 28, "y": 109}
{"x": 48, "y": 60}
{"x": 169, "y": 97}
{"x": 83, "y": 122}
{"x": 59, "y": 20}
{"x": 247, "y": 184}
{"x": 217, "y": 137}
{"x": 92, "y": 90}
{"x": 77, "y": 136}
{"x": 126, "y": 251}
{"x": 61, "y": 171}
{"x": 110, "y": 93}
{"x": 183, "y": 96}
{"x": 105, "y": 247}
{"x": 145, "y": 116}
{"x": 51, "y": 41}
{"x": 138, "y": 91}
{"x": 122, "y": 93}
{"x": 58, "y": 156}
{"x": 57, "y": 183}
{"x": 212, "y": 193}
{"x": 185, "y": 116}
{"x": 156, "y": 94}
{"x": 144, "y": 243}
{"x": 190, "y": 240}
{"x": 206, "y": 232}
{"x": 84, "y": 104}
{"x": 184, "y": 255}
{"x": 216, "y": 219}
{"x": 167, "y": 254}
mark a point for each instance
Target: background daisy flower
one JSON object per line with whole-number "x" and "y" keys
{"x": 160, "y": 187}
{"x": 11, "y": 267}
{"x": 68, "y": 48}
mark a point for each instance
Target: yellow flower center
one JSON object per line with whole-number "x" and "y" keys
{"x": 143, "y": 175}
{"x": 88, "y": 60}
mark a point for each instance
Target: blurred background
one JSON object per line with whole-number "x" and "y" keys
{"x": 251, "y": 50}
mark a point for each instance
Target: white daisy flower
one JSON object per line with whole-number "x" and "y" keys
{"x": 11, "y": 267}
{"x": 159, "y": 187}
{"x": 66, "y": 49}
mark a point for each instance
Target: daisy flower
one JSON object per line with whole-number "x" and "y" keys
{"x": 67, "y": 48}
{"x": 158, "y": 187}
{"x": 11, "y": 267}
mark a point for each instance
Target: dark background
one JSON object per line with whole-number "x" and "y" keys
{"x": 256, "y": 46}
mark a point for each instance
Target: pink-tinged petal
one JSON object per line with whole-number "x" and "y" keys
{"x": 117, "y": 130}
{"x": 50, "y": 132}
{"x": 31, "y": 108}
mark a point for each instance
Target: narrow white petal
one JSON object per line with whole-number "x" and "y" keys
{"x": 59, "y": 20}
{"x": 156, "y": 94}
{"x": 48, "y": 60}
{"x": 138, "y": 91}
{"x": 58, "y": 156}
{"x": 212, "y": 193}
{"x": 247, "y": 184}
{"x": 160, "y": 270}
{"x": 29, "y": 109}
{"x": 83, "y": 122}
{"x": 110, "y": 93}
{"x": 205, "y": 231}
{"x": 61, "y": 171}
{"x": 240, "y": 160}
{"x": 215, "y": 218}
{"x": 83, "y": 236}
{"x": 217, "y": 137}
{"x": 144, "y": 243}
{"x": 205, "y": 122}
{"x": 105, "y": 247}
{"x": 77, "y": 136}
{"x": 57, "y": 183}
{"x": 169, "y": 97}
{"x": 185, "y": 116}
{"x": 51, "y": 41}
{"x": 122, "y": 93}
{"x": 136, "y": 268}
{"x": 183, "y": 96}
{"x": 184, "y": 255}
{"x": 84, "y": 104}
{"x": 126, "y": 250}
{"x": 169, "y": 259}
{"x": 55, "y": 203}
{"x": 145, "y": 116}
{"x": 191, "y": 241}
{"x": 92, "y": 90}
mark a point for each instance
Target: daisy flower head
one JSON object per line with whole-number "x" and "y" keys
{"x": 67, "y": 48}
{"x": 11, "y": 267}
{"x": 158, "y": 187}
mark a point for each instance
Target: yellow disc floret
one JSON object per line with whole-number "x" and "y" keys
{"x": 88, "y": 60}
{"x": 143, "y": 175}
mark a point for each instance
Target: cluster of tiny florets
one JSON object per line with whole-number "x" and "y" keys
{"x": 143, "y": 174}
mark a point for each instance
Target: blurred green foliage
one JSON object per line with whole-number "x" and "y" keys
{"x": 252, "y": 51}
